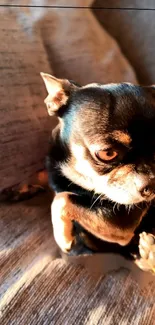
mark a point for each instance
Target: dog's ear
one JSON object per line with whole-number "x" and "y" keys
{"x": 58, "y": 90}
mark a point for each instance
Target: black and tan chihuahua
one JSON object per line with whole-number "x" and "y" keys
{"x": 101, "y": 165}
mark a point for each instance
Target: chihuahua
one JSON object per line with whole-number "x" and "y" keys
{"x": 101, "y": 164}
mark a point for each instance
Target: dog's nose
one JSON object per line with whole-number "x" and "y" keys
{"x": 148, "y": 191}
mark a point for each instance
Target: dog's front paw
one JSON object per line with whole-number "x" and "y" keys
{"x": 62, "y": 223}
{"x": 147, "y": 252}
{"x": 65, "y": 243}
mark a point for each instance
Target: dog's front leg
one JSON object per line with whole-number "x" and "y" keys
{"x": 66, "y": 208}
{"x": 62, "y": 220}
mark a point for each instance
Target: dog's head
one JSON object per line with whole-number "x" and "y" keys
{"x": 110, "y": 133}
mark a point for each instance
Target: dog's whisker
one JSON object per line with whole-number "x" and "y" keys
{"x": 130, "y": 207}
{"x": 96, "y": 200}
{"x": 93, "y": 195}
{"x": 70, "y": 184}
{"x": 137, "y": 206}
{"x": 115, "y": 206}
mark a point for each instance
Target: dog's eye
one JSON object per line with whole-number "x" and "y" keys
{"x": 106, "y": 155}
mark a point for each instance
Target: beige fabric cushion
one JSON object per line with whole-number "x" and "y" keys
{"x": 80, "y": 49}
{"x": 38, "y": 289}
{"x": 69, "y": 42}
{"x": 24, "y": 123}
{"x": 35, "y": 287}
{"x": 134, "y": 31}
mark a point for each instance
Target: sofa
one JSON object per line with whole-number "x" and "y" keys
{"x": 38, "y": 285}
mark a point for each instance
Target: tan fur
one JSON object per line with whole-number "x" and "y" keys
{"x": 120, "y": 173}
{"x": 64, "y": 212}
{"x": 122, "y": 137}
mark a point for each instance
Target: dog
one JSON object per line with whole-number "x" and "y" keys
{"x": 101, "y": 165}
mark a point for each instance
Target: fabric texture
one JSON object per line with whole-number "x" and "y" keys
{"x": 135, "y": 32}
{"x": 37, "y": 286}
{"x": 65, "y": 42}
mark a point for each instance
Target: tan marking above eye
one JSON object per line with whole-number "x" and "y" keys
{"x": 106, "y": 155}
{"x": 122, "y": 137}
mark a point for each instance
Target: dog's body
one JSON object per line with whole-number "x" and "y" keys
{"x": 101, "y": 163}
